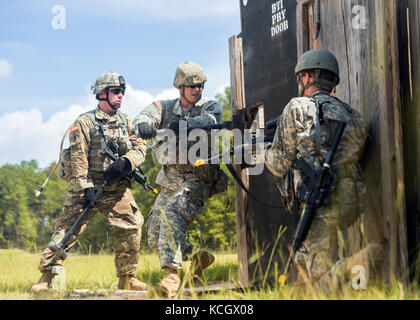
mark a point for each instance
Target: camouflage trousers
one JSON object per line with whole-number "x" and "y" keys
{"x": 319, "y": 252}
{"x": 319, "y": 262}
{"x": 125, "y": 221}
{"x": 172, "y": 213}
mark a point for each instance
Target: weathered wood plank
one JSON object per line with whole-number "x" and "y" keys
{"x": 243, "y": 223}
{"x": 210, "y": 288}
{"x": 391, "y": 139}
{"x": 409, "y": 47}
{"x": 302, "y": 31}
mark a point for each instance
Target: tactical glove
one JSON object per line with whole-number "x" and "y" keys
{"x": 146, "y": 131}
{"x": 116, "y": 169}
{"x": 89, "y": 197}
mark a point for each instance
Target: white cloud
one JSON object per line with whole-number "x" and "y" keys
{"x": 26, "y": 135}
{"x": 136, "y": 100}
{"x": 218, "y": 77}
{"x": 221, "y": 89}
{"x": 168, "y": 94}
{"x": 5, "y": 69}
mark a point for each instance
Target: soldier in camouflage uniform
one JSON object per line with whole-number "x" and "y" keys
{"x": 305, "y": 131}
{"x": 185, "y": 188}
{"x": 89, "y": 168}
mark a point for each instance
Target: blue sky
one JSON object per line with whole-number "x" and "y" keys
{"x": 46, "y": 73}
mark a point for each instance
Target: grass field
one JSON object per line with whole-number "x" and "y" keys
{"x": 18, "y": 272}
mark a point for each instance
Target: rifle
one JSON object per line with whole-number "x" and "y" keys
{"x": 256, "y": 140}
{"x": 228, "y": 125}
{"x": 264, "y": 139}
{"x": 317, "y": 195}
{"x": 270, "y": 124}
{"x": 59, "y": 249}
{"x": 136, "y": 175}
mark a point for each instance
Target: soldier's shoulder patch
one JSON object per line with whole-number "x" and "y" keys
{"x": 74, "y": 127}
{"x": 210, "y": 108}
{"x": 158, "y": 104}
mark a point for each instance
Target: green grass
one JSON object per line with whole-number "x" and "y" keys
{"x": 19, "y": 271}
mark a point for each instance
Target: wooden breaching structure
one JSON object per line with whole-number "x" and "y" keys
{"x": 377, "y": 44}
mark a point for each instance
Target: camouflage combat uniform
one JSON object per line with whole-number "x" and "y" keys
{"x": 116, "y": 203}
{"x": 185, "y": 188}
{"x": 301, "y": 134}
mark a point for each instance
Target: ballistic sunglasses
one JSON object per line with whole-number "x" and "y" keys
{"x": 117, "y": 90}
{"x": 199, "y": 86}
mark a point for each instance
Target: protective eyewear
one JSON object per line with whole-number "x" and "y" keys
{"x": 199, "y": 86}
{"x": 117, "y": 90}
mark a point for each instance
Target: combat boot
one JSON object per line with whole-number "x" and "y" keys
{"x": 130, "y": 282}
{"x": 200, "y": 261}
{"x": 170, "y": 283}
{"x": 44, "y": 283}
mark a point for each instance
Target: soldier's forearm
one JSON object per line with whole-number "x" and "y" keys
{"x": 204, "y": 120}
{"x": 152, "y": 115}
{"x": 135, "y": 157}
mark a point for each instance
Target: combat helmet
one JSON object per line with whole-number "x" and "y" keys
{"x": 108, "y": 79}
{"x": 188, "y": 74}
{"x": 318, "y": 60}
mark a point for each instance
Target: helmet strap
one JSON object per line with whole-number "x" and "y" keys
{"x": 113, "y": 106}
{"x": 183, "y": 95}
{"x": 303, "y": 87}
{"x": 321, "y": 83}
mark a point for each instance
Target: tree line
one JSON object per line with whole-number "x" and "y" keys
{"x": 28, "y": 222}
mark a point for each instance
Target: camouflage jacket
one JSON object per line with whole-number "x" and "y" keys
{"x": 301, "y": 134}
{"x": 87, "y": 142}
{"x": 160, "y": 114}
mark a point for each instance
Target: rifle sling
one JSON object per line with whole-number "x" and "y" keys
{"x": 241, "y": 184}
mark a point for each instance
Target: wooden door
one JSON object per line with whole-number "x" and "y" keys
{"x": 268, "y": 41}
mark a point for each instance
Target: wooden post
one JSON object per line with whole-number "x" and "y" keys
{"x": 302, "y": 32}
{"x": 393, "y": 193}
{"x": 409, "y": 50}
{"x": 243, "y": 227}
